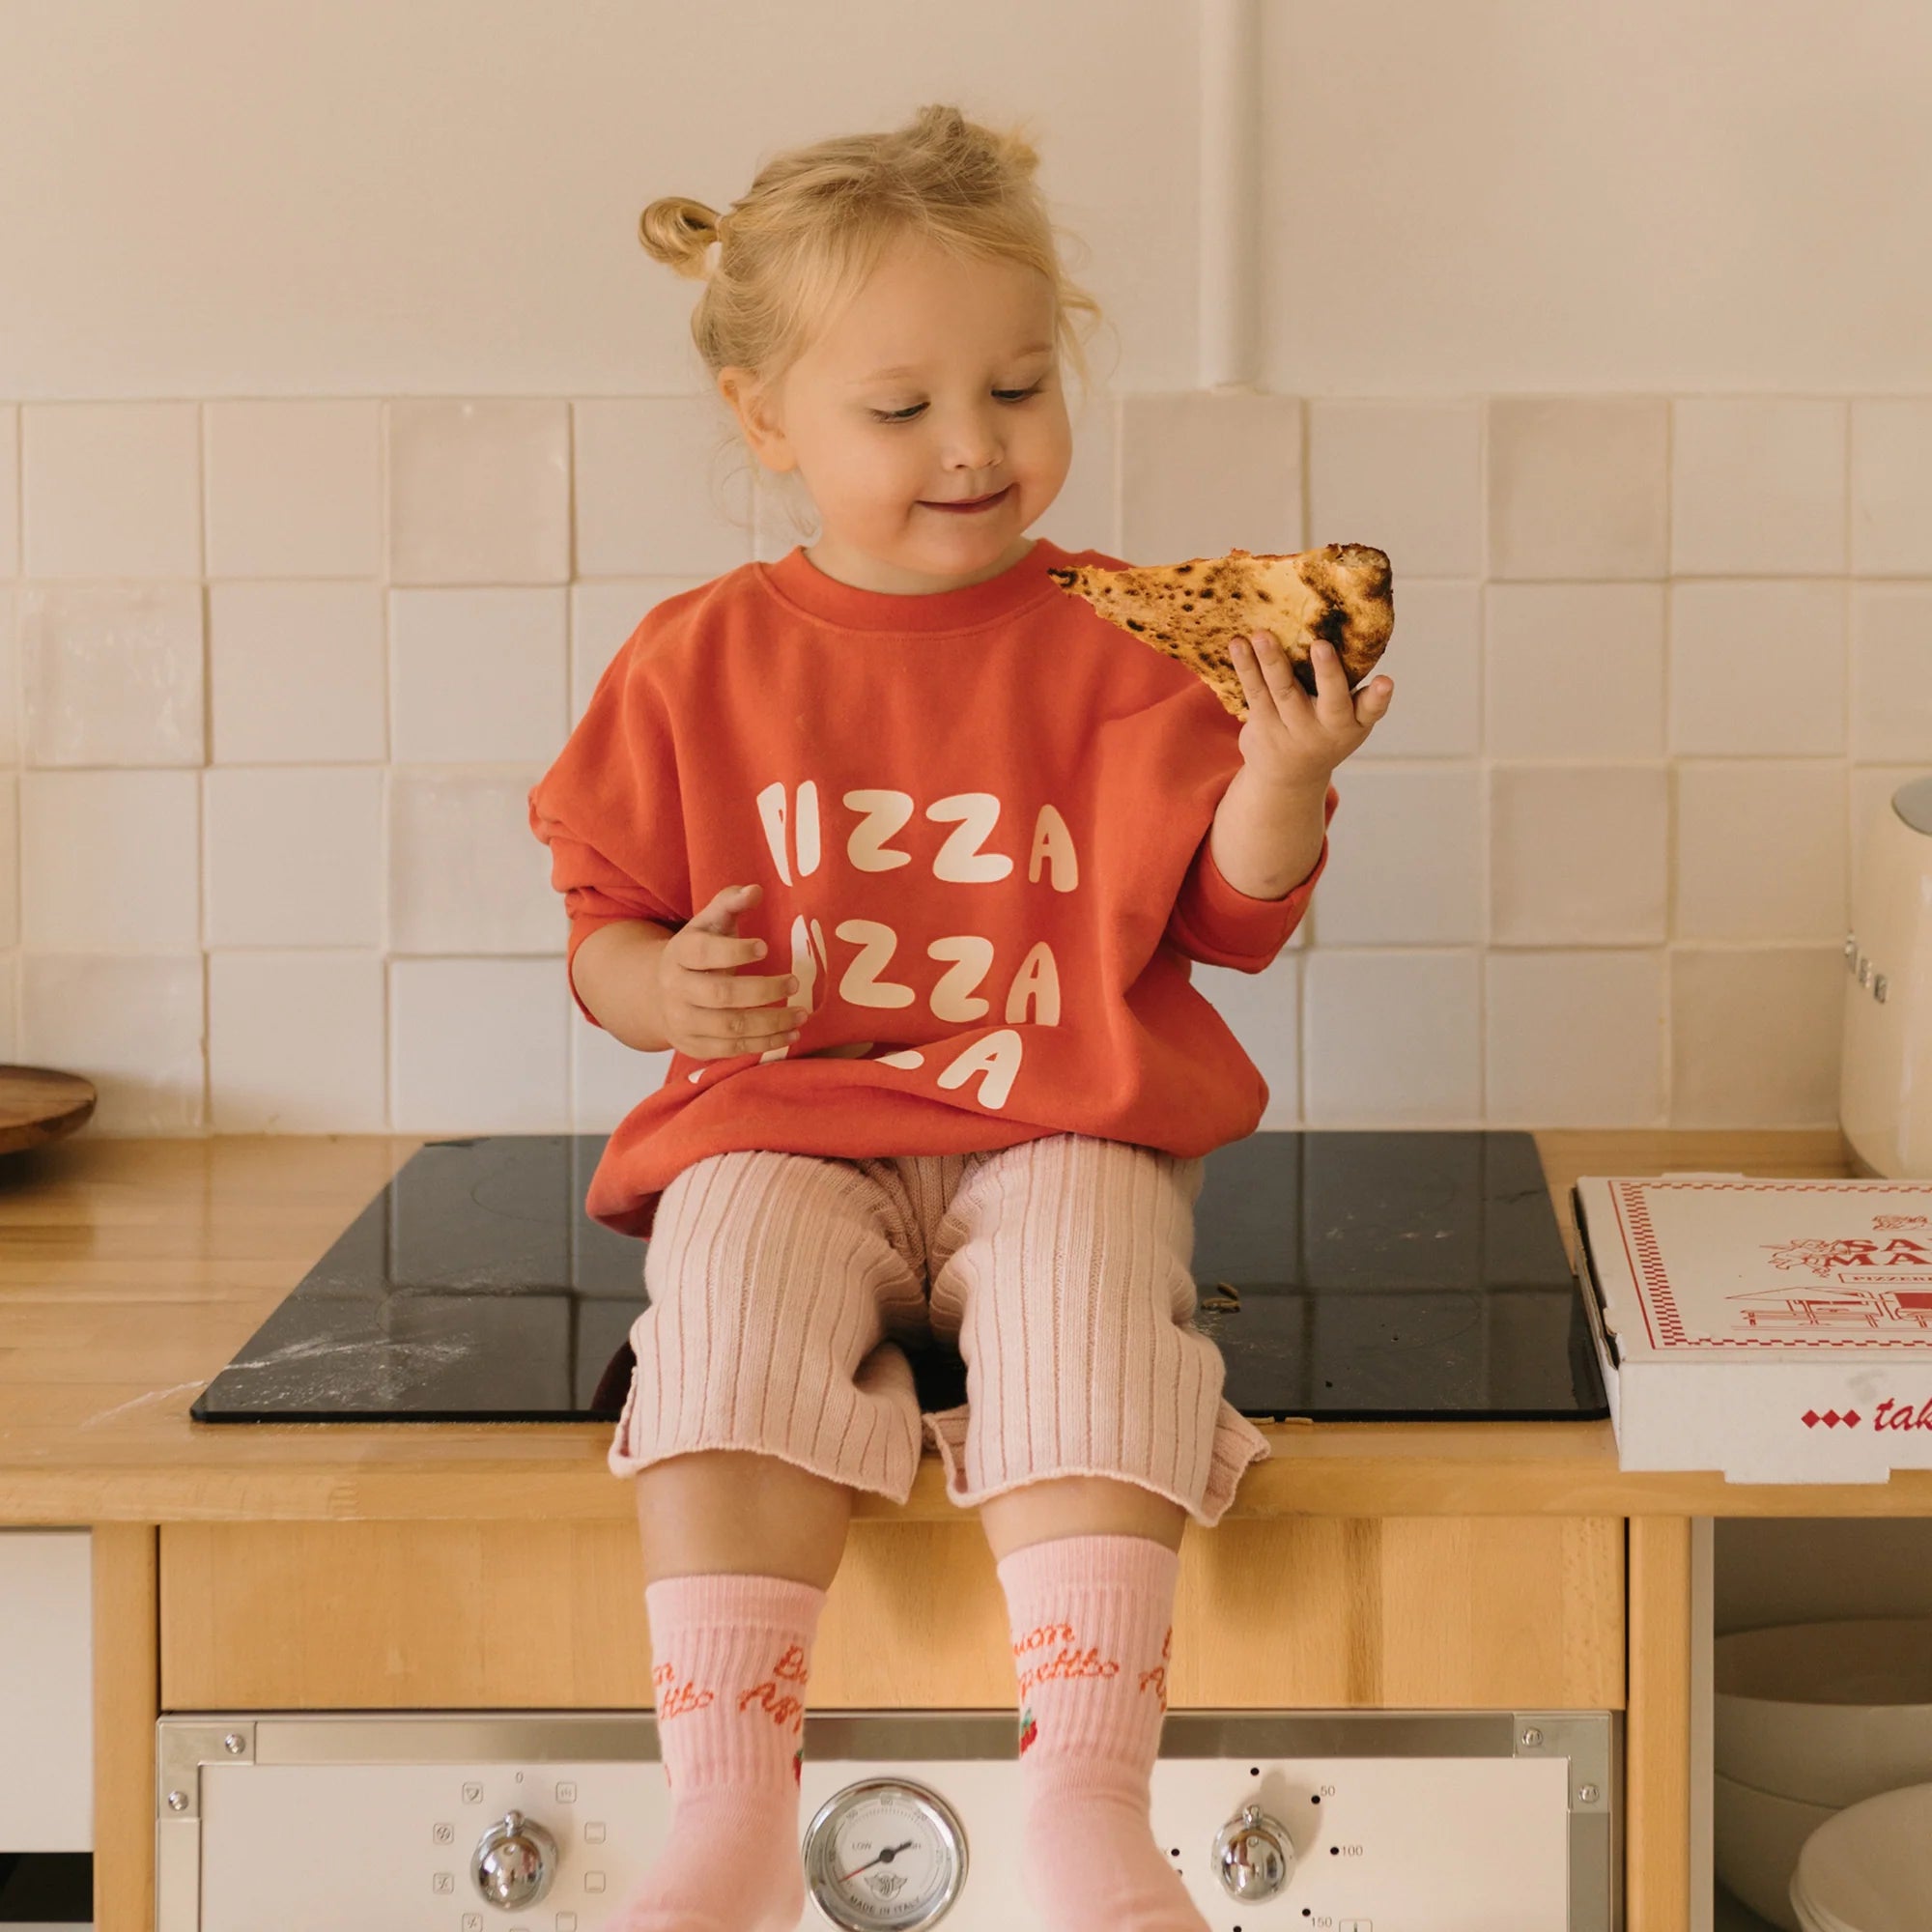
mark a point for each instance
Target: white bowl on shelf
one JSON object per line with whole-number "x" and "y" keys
{"x": 1755, "y": 1840}
{"x": 1869, "y": 1868}
{"x": 1826, "y": 1713}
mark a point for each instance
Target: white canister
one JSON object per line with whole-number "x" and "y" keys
{"x": 1885, "y": 1073}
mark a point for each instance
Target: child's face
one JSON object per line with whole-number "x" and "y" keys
{"x": 979, "y": 411}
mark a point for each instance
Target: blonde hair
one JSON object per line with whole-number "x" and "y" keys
{"x": 815, "y": 220}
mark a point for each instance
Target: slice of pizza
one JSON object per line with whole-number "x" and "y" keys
{"x": 1193, "y": 611}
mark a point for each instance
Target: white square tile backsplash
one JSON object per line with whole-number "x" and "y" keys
{"x": 1578, "y": 488}
{"x": 1794, "y": 810}
{"x": 1391, "y": 1039}
{"x": 1208, "y": 471}
{"x": 1575, "y": 1039}
{"x": 1263, "y": 1009}
{"x": 663, "y": 487}
{"x": 10, "y": 489}
{"x": 293, "y": 855}
{"x": 465, "y": 877}
{"x": 1892, "y": 672}
{"x": 9, "y": 867}
{"x": 1758, "y": 487}
{"x": 479, "y": 492}
{"x": 1659, "y": 662}
{"x": 1410, "y": 472}
{"x": 1434, "y": 659}
{"x": 1573, "y": 671}
{"x": 1406, "y": 869}
{"x": 1747, "y": 1046}
{"x": 299, "y": 673}
{"x": 110, "y": 861}
{"x": 296, "y": 1043}
{"x": 1757, "y": 669}
{"x": 1578, "y": 854}
{"x": 1891, "y": 486}
{"x": 295, "y": 489}
{"x": 112, "y": 673}
{"x": 10, "y": 679}
{"x": 133, "y": 1024}
{"x": 608, "y": 1079}
{"x": 478, "y": 1047}
{"x": 477, "y": 676}
{"x": 111, "y": 489}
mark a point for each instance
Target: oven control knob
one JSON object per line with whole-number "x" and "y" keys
{"x": 515, "y": 1861}
{"x": 1253, "y": 1854}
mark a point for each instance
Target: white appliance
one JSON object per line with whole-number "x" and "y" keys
{"x": 1885, "y": 1080}
{"x": 1372, "y": 1821}
{"x": 46, "y": 1690}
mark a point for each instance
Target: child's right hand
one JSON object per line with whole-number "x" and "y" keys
{"x": 705, "y": 1010}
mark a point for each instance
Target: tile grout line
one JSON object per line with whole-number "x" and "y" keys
{"x": 1666, "y": 1044}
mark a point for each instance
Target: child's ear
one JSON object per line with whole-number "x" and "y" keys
{"x": 758, "y": 418}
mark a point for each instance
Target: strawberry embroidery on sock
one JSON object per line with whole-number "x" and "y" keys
{"x": 675, "y": 1699}
{"x": 798, "y": 1765}
{"x": 1029, "y": 1730}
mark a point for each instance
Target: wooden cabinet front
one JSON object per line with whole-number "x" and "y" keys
{"x": 1417, "y": 1612}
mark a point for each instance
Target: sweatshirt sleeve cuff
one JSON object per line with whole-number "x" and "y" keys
{"x": 1220, "y": 925}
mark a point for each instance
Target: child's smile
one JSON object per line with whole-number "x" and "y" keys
{"x": 927, "y": 420}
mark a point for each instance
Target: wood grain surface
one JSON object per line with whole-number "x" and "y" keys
{"x": 1406, "y": 1612}
{"x": 131, "y": 1271}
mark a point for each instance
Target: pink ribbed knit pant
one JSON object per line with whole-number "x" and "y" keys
{"x": 780, "y": 1286}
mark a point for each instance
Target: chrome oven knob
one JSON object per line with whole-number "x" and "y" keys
{"x": 514, "y": 1862}
{"x": 1253, "y": 1854}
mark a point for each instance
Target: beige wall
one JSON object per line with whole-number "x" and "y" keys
{"x": 440, "y": 197}
{"x": 330, "y": 197}
{"x": 1552, "y": 194}
{"x": 332, "y": 381}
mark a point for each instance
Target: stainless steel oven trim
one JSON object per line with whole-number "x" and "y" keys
{"x": 1591, "y": 1742}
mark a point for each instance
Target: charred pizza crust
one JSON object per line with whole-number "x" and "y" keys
{"x": 1193, "y": 611}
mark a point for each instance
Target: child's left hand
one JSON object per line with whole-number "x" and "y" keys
{"x": 1290, "y": 740}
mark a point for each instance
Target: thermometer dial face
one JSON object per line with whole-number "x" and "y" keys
{"x": 885, "y": 1855}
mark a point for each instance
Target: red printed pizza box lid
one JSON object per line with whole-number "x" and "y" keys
{"x": 1779, "y": 1329}
{"x": 1730, "y": 1265}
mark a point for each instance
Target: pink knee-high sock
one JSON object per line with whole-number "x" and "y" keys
{"x": 1092, "y": 1621}
{"x": 730, "y": 1655}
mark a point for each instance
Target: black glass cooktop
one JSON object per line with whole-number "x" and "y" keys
{"x": 1347, "y": 1275}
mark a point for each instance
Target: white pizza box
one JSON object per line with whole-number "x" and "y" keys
{"x": 1779, "y": 1330}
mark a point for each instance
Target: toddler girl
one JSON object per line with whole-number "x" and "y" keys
{"x": 968, "y": 836}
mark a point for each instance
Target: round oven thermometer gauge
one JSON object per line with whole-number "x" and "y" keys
{"x": 885, "y": 1855}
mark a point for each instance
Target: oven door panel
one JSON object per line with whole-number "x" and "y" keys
{"x": 1396, "y": 1822}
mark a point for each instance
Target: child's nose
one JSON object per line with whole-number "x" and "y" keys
{"x": 974, "y": 443}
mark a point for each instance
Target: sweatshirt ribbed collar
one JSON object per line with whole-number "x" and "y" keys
{"x": 799, "y": 581}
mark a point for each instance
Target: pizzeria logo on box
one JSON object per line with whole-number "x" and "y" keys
{"x": 1891, "y": 1417}
{"x": 1826, "y": 1258}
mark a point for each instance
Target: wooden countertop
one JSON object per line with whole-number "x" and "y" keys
{"x": 131, "y": 1271}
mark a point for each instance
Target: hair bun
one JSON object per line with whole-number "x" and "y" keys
{"x": 677, "y": 231}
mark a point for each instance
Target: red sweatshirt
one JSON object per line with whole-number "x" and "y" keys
{"x": 981, "y": 821}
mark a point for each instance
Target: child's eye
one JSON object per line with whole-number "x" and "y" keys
{"x": 908, "y": 414}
